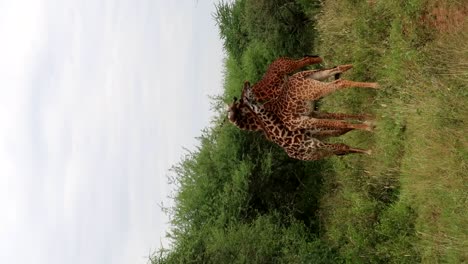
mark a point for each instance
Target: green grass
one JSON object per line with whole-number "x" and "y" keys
{"x": 406, "y": 203}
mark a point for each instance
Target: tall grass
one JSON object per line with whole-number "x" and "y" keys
{"x": 407, "y": 203}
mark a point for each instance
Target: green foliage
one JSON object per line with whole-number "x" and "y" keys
{"x": 230, "y": 188}
{"x": 281, "y": 25}
{"x": 255, "y": 60}
{"x": 234, "y": 78}
{"x": 229, "y": 18}
{"x": 265, "y": 240}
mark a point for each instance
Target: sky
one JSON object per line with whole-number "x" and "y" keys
{"x": 98, "y": 100}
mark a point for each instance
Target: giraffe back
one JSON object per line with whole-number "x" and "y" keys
{"x": 271, "y": 84}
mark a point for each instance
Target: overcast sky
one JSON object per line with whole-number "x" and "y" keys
{"x": 98, "y": 99}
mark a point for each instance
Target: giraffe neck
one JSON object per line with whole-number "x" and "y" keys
{"x": 268, "y": 88}
{"x": 241, "y": 116}
{"x": 249, "y": 122}
{"x": 272, "y": 125}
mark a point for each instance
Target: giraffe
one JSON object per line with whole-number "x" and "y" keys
{"x": 303, "y": 144}
{"x": 291, "y": 105}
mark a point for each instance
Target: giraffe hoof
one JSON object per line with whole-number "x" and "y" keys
{"x": 362, "y": 151}
{"x": 370, "y": 126}
{"x": 375, "y": 85}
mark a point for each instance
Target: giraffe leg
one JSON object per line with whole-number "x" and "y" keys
{"x": 312, "y": 74}
{"x": 285, "y": 65}
{"x": 307, "y": 60}
{"x": 321, "y": 75}
{"x": 315, "y": 150}
{"x": 324, "y": 134}
{"x": 339, "y": 116}
{"x": 340, "y": 149}
{"x": 304, "y": 122}
{"x": 327, "y": 150}
{"x": 310, "y": 89}
{"x": 323, "y": 90}
{"x": 342, "y": 69}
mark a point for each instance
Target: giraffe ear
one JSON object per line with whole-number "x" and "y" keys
{"x": 227, "y": 107}
{"x": 230, "y": 109}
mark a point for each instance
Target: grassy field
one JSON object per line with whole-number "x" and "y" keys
{"x": 407, "y": 202}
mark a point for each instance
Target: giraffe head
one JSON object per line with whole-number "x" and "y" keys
{"x": 236, "y": 109}
{"x": 233, "y": 110}
{"x": 248, "y": 95}
{"x": 239, "y": 114}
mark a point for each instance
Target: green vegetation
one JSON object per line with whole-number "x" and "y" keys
{"x": 240, "y": 199}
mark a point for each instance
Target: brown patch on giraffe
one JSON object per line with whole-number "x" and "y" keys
{"x": 276, "y": 131}
{"x": 297, "y": 140}
{"x": 444, "y": 18}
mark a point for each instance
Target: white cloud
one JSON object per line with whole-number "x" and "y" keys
{"x": 97, "y": 103}
{"x": 21, "y": 28}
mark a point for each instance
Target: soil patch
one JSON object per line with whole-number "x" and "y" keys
{"x": 445, "y": 18}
